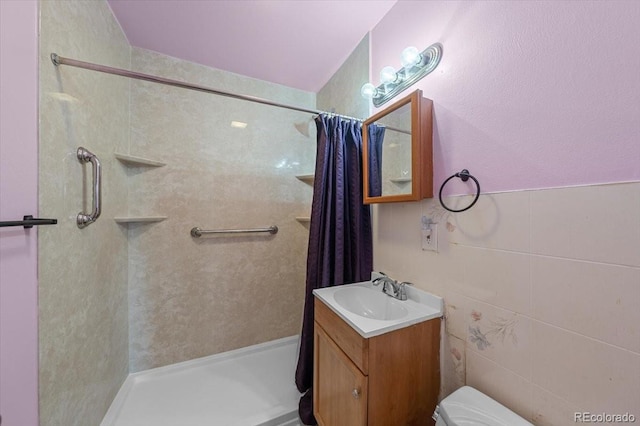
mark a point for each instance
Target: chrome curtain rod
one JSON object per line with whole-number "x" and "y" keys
{"x": 59, "y": 60}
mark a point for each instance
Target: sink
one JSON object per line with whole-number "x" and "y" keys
{"x": 370, "y": 303}
{"x": 371, "y": 313}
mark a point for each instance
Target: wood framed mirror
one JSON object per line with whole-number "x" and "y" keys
{"x": 398, "y": 152}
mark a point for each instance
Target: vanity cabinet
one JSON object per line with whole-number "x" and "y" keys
{"x": 390, "y": 379}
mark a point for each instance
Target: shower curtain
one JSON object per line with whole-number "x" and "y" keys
{"x": 340, "y": 240}
{"x": 376, "y": 136}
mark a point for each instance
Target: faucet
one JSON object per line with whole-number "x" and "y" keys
{"x": 391, "y": 287}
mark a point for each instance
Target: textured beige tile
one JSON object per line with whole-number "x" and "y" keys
{"x": 549, "y": 410}
{"x": 597, "y": 223}
{"x": 498, "y": 277}
{"x": 499, "y": 221}
{"x": 453, "y": 364}
{"x": 590, "y": 375}
{"x": 500, "y": 335}
{"x": 456, "y": 307}
{"x": 594, "y": 299}
{"x": 191, "y": 298}
{"x": 503, "y": 385}
{"x": 483, "y": 267}
{"x": 353, "y": 73}
{"x": 397, "y": 247}
{"x": 398, "y": 250}
{"x": 82, "y": 274}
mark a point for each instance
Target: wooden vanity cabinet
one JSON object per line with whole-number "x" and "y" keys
{"x": 391, "y": 379}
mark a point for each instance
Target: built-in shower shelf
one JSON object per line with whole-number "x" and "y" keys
{"x": 306, "y": 178}
{"x": 139, "y": 219}
{"x": 131, "y": 160}
{"x": 303, "y": 219}
{"x": 401, "y": 180}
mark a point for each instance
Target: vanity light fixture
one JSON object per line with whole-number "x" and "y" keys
{"x": 415, "y": 65}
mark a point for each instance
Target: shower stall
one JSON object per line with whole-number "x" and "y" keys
{"x": 139, "y": 290}
{"x": 134, "y": 290}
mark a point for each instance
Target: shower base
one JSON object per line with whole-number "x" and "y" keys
{"x": 252, "y": 386}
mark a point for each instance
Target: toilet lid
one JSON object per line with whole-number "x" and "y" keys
{"x": 467, "y": 407}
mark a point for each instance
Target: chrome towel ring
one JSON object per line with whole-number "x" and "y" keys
{"x": 464, "y": 175}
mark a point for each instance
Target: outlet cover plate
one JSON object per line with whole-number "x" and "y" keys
{"x": 430, "y": 238}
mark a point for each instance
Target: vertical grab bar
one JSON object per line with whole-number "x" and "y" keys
{"x": 85, "y": 156}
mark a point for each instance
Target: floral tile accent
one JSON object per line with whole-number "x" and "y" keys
{"x": 458, "y": 364}
{"x": 475, "y": 315}
{"x": 437, "y": 213}
{"x": 454, "y": 370}
{"x": 478, "y": 338}
{"x": 503, "y": 328}
{"x": 500, "y": 329}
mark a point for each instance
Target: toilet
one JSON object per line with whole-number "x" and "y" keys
{"x": 468, "y": 406}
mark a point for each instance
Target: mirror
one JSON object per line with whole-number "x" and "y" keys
{"x": 397, "y": 152}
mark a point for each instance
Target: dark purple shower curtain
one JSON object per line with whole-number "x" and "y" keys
{"x": 376, "y": 137}
{"x": 340, "y": 239}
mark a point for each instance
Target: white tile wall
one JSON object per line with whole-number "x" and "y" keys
{"x": 594, "y": 376}
{"x": 541, "y": 293}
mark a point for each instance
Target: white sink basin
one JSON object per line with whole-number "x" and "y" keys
{"x": 370, "y": 312}
{"x": 370, "y": 303}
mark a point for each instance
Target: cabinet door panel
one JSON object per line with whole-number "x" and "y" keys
{"x": 340, "y": 389}
{"x": 348, "y": 340}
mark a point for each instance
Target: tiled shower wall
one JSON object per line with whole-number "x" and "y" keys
{"x": 542, "y": 290}
{"x": 118, "y": 298}
{"x": 194, "y": 297}
{"x": 82, "y": 273}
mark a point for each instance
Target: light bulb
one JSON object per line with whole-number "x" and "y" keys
{"x": 411, "y": 56}
{"x": 388, "y": 75}
{"x": 368, "y": 91}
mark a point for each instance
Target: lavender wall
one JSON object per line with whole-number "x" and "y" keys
{"x": 18, "y": 196}
{"x": 534, "y": 260}
{"x": 528, "y": 94}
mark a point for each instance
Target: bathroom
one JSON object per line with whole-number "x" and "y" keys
{"x": 541, "y": 278}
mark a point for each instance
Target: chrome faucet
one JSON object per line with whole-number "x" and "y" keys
{"x": 391, "y": 287}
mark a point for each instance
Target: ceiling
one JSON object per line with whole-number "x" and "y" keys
{"x": 297, "y": 43}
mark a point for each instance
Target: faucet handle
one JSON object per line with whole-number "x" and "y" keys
{"x": 382, "y": 278}
{"x": 402, "y": 291}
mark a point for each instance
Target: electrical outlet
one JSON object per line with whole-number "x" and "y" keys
{"x": 430, "y": 237}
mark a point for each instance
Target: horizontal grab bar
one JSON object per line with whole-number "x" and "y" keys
{"x": 197, "y": 232}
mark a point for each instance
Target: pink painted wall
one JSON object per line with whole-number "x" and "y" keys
{"x": 529, "y": 94}
{"x": 18, "y": 196}
{"x": 299, "y": 44}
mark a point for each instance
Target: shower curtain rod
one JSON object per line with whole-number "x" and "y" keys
{"x": 59, "y": 60}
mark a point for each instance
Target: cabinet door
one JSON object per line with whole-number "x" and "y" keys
{"x": 339, "y": 388}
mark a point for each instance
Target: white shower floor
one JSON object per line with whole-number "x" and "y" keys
{"x": 252, "y": 386}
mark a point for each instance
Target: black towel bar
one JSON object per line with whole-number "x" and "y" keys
{"x": 28, "y": 222}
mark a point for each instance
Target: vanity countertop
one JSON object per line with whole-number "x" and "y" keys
{"x": 420, "y": 306}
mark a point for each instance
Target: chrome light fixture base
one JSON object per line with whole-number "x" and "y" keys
{"x": 407, "y": 76}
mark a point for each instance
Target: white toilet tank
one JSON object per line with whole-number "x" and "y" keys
{"x": 468, "y": 406}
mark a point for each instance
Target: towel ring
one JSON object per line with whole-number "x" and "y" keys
{"x": 464, "y": 175}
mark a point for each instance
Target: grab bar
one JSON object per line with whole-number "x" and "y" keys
{"x": 83, "y": 220}
{"x": 197, "y": 232}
